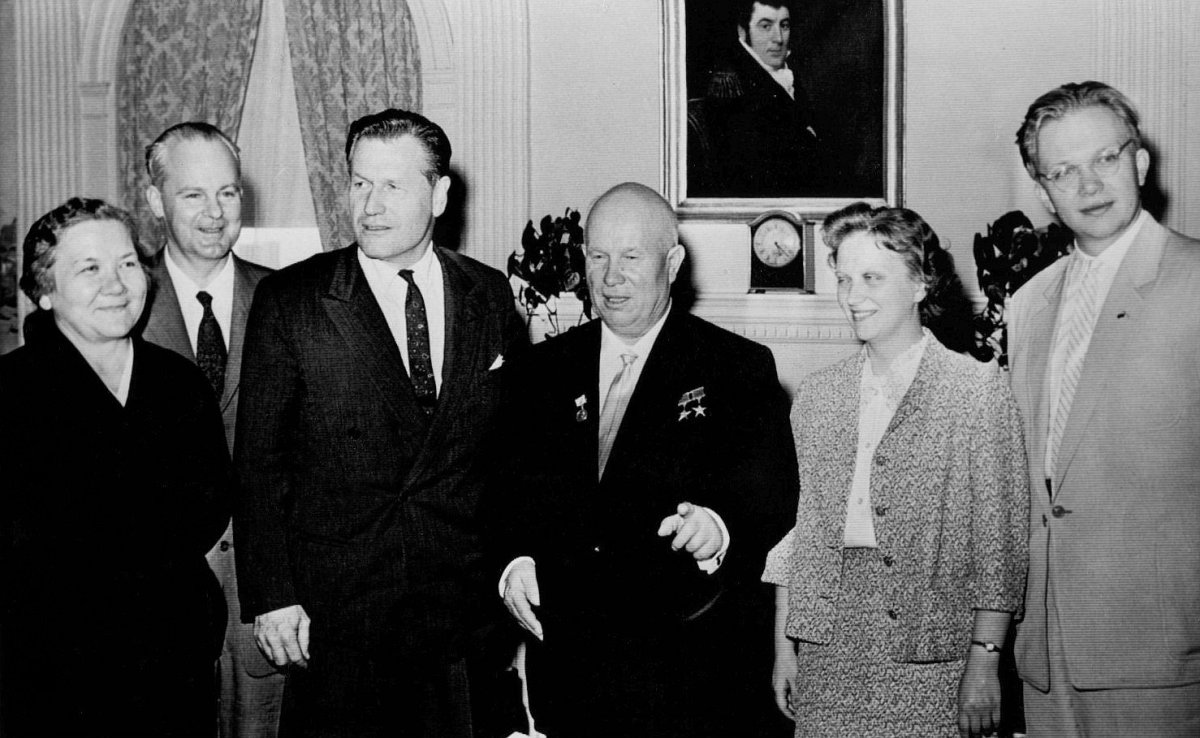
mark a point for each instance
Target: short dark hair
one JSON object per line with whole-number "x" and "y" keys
{"x": 1066, "y": 99}
{"x": 905, "y": 232}
{"x": 192, "y": 130}
{"x": 391, "y": 124}
{"x": 37, "y": 278}
{"x": 745, "y": 10}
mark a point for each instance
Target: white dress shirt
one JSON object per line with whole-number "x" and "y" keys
{"x": 879, "y": 397}
{"x": 221, "y": 289}
{"x": 391, "y": 290}
{"x": 1106, "y": 265}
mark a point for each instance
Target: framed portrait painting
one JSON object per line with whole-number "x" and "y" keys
{"x": 781, "y": 105}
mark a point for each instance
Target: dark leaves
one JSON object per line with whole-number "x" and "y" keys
{"x": 1011, "y": 253}
{"x": 551, "y": 262}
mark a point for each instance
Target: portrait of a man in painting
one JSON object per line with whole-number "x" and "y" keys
{"x": 785, "y": 99}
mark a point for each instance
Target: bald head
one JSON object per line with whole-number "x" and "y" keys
{"x": 633, "y": 257}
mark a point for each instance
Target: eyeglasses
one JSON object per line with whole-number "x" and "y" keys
{"x": 1066, "y": 178}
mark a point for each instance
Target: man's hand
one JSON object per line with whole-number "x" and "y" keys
{"x": 282, "y": 635}
{"x": 694, "y": 530}
{"x": 521, "y": 595}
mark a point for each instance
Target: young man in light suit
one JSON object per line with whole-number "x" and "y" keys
{"x": 1105, "y": 348}
{"x": 196, "y": 189}
{"x": 651, "y": 467}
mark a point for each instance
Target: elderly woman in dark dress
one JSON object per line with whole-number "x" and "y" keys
{"x": 116, "y": 480}
{"x": 896, "y": 587}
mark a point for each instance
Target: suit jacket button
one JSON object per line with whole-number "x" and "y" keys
{"x": 893, "y": 614}
{"x": 1058, "y": 511}
{"x": 225, "y": 545}
{"x": 596, "y": 549}
{"x": 888, "y": 561}
{"x": 880, "y": 510}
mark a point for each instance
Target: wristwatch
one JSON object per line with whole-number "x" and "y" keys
{"x": 987, "y": 646}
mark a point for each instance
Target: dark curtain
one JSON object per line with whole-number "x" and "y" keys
{"x": 349, "y": 58}
{"x": 180, "y": 60}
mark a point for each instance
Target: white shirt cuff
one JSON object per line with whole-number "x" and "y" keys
{"x": 709, "y": 566}
{"x": 509, "y": 568}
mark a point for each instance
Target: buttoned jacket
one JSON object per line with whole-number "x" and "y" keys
{"x": 1120, "y": 541}
{"x": 949, "y": 495}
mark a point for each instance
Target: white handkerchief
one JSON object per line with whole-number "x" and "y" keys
{"x": 499, "y": 362}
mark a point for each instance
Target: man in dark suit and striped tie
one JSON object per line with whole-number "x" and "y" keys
{"x": 369, "y": 382}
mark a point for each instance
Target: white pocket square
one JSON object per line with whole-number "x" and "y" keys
{"x": 499, "y": 362}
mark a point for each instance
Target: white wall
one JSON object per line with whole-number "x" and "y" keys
{"x": 595, "y": 99}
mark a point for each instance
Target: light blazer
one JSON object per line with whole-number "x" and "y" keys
{"x": 1124, "y": 545}
{"x": 949, "y": 493}
{"x": 353, "y": 503}
{"x": 619, "y": 605}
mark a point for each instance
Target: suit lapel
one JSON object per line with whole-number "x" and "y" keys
{"x": 582, "y": 368}
{"x": 164, "y": 323}
{"x": 1038, "y": 342}
{"x": 1113, "y": 333}
{"x": 243, "y": 293}
{"x": 465, "y": 309}
{"x": 352, "y": 308}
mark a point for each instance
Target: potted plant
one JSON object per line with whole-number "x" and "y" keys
{"x": 1011, "y": 253}
{"x": 549, "y": 264}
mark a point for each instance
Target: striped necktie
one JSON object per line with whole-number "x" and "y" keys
{"x": 1080, "y": 319}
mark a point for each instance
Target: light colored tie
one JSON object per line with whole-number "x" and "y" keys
{"x": 1075, "y": 338}
{"x": 614, "y": 409}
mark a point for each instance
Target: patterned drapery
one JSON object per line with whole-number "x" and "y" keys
{"x": 180, "y": 60}
{"x": 349, "y": 58}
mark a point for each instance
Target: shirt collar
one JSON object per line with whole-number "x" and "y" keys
{"x": 903, "y": 368}
{"x": 379, "y": 271}
{"x": 783, "y": 76}
{"x": 1111, "y": 257}
{"x": 611, "y": 343}
{"x": 220, "y": 284}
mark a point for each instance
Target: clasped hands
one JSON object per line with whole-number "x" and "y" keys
{"x": 692, "y": 528}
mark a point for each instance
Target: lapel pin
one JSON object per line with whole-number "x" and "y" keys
{"x": 581, "y": 411}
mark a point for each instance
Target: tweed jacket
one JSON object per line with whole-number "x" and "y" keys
{"x": 949, "y": 493}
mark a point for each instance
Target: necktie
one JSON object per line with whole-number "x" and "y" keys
{"x": 1076, "y": 331}
{"x": 420, "y": 360}
{"x": 614, "y": 409}
{"x": 210, "y": 345}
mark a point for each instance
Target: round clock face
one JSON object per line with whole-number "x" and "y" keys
{"x": 776, "y": 242}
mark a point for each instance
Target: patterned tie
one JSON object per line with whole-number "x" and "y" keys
{"x": 210, "y": 346}
{"x": 1077, "y": 328}
{"x": 420, "y": 359}
{"x": 614, "y": 409}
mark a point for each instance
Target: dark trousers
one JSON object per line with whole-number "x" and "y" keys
{"x": 346, "y": 692}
